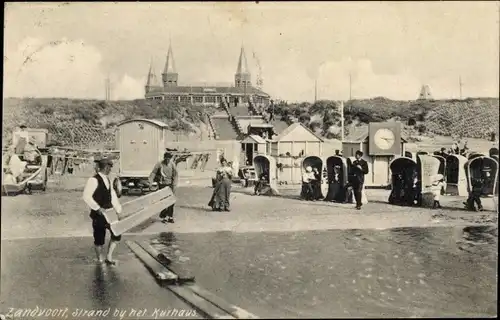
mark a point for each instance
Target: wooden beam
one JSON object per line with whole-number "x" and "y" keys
{"x": 157, "y": 269}
{"x": 233, "y": 310}
{"x": 183, "y": 292}
{"x": 170, "y": 264}
{"x": 139, "y": 210}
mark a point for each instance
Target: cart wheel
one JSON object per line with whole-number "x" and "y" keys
{"x": 28, "y": 190}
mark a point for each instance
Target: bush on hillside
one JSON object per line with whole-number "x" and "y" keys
{"x": 315, "y": 125}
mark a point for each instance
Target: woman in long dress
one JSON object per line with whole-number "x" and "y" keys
{"x": 334, "y": 186}
{"x": 316, "y": 184}
{"x": 222, "y": 192}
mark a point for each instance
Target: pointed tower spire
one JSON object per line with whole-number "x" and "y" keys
{"x": 170, "y": 75}
{"x": 151, "y": 80}
{"x": 242, "y": 78}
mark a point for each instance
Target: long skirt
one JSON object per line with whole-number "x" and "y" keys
{"x": 307, "y": 192}
{"x": 334, "y": 192}
{"x": 317, "y": 194}
{"x": 221, "y": 195}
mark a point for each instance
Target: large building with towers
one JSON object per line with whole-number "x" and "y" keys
{"x": 170, "y": 90}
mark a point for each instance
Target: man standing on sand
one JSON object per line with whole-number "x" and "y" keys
{"x": 359, "y": 170}
{"x": 165, "y": 174}
{"x": 100, "y": 195}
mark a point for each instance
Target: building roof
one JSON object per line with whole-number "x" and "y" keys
{"x": 292, "y": 127}
{"x": 360, "y": 134}
{"x": 205, "y": 90}
{"x": 279, "y": 126}
{"x": 356, "y": 134}
{"x": 253, "y": 138}
{"x": 152, "y": 121}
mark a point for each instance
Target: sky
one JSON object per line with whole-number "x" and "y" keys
{"x": 390, "y": 49}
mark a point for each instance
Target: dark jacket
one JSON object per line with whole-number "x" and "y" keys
{"x": 164, "y": 174}
{"x": 358, "y": 175}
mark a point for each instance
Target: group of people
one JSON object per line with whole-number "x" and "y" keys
{"x": 338, "y": 190}
{"x": 311, "y": 184}
{"x": 100, "y": 194}
{"x": 407, "y": 189}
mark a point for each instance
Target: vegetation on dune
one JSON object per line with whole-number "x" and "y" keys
{"x": 73, "y": 122}
{"x": 473, "y": 117}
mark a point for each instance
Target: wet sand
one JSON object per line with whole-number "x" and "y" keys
{"x": 56, "y": 268}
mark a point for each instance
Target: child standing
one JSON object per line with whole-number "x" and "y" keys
{"x": 437, "y": 186}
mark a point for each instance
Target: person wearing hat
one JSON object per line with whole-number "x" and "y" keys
{"x": 100, "y": 195}
{"x": 165, "y": 174}
{"x": 358, "y": 171}
{"x": 437, "y": 187}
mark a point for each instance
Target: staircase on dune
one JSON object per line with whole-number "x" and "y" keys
{"x": 234, "y": 123}
{"x": 231, "y": 117}
{"x": 224, "y": 128}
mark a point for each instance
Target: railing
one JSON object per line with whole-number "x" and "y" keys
{"x": 212, "y": 132}
{"x": 226, "y": 108}
{"x": 251, "y": 106}
{"x": 236, "y": 126}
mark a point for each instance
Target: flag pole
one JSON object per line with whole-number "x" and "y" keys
{"x": 342, "y": 120}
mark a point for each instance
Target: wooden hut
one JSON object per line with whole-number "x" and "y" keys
{"x": 378, "y": 164}
{"x": 141, "y": 143}
{"x": 37, "y": 136}
{"x": 290, "y": 147}
{"x": 251, "y": 146}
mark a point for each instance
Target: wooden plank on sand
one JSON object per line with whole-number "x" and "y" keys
{"x": 167, "y": 278}
{"x": 139, "y": 210}
{"x": 233, "y": 310}
{"x": 136, "y": 204}
{"x": 174, "y": 267}
{"x": 157, "y": 269}
{"x": 206, "y": 307}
